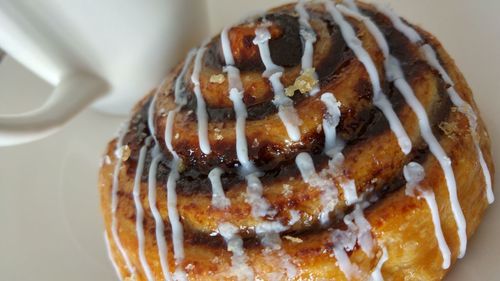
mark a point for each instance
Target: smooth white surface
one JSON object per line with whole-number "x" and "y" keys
{"x": 49, "y": 207}
{"x": 129, "y": 44}
{"x": 92, "y": 54}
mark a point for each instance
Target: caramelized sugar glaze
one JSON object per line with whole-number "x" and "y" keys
{"x": 320, "y": 141}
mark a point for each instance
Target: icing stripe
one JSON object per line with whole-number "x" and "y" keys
{"x": 351, "y": 5}
{"x": 201, "y": 110}
{"x": 159, "y": 228}
{"x": 436, "y": 149}
{"x": 239, "y": 259}
{"x": 111, "y": 257}
{"x": 241, "y": 140}
{"x": 395, "y": 74}
{"x": 377, "y": 271}
{"x": 329, "y": 198}
{"x": 342, "y": 241}
{"x": 226, "y": 46}
{"x": 467, "y": 110}
{"x": 358, "y": 225}
{"x": 358, "y": 230}
{"x": 139, "y": 211}
{"x": 173, "y": 214}
{"x": 307, "y": 34}
{"x": 179, "y": 89}
{"x": 414, "y": 173}
{"x": 269, "y": 234}
{"x": 151, "y": 125}
{"x": 219, "y": 199}
{"x": 114, "y": 199}
{"x": 443, "y": 159}
{"x": 430, "y": 198}
{"x": 330, "y": 121}
{"x": 407, "y": 31}
{"x": 379, "y": 98}
{"x": 262, "y": 37}
{"x": 333, "y": 146}
{"x": 309, "y": 38}
{"x": 286, "y": 111}
{"x": 350, "y": 192}
{"x": 260, "y": 206}
{"x": 236, "y": 96}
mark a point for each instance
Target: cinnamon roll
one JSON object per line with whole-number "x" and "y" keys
{"x": 318, "y": 141}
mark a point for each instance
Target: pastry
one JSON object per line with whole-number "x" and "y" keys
{"x": 319, "y": 141}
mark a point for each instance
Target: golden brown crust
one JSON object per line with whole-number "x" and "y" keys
{"x": 373, "y": 159}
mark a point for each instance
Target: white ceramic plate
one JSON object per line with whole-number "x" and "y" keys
{"x": 50, "y": 225}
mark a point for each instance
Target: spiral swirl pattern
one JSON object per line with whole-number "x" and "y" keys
{"x": 314, "y": 142}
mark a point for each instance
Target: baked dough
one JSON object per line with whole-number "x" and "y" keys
{"x": 320, "y": 141}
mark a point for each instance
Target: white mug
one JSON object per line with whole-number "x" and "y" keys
{"x": 101, "y": 53}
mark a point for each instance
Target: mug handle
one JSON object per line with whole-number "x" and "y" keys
{"x": 74, "y": 93}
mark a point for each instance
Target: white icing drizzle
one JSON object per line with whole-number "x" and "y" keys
{"x": 343, "y": 241}
{"x": 139, "y": 211}
{"x": 180, "y": 95}
{"x": 377, "y": 271}
{"x": 236, "y": 96}
{"x": 226, "y": 46}
{"x": 379, "y": 98}
{"x": 151, "y": 109}
{"x": 353, "y": 11}
{"x": 309, "y": 37}
{"x": 467, "y": 110}
{"x": 262, "y": 37}
{"x": 260, "y": 206}
{"x": 359, "y": 225}
{"x": 114, "y": 199}
{"x": 241, "y": 140}
{"x": 358, "y": 230}
{"x": 331, "y": 120}
{"x": 219, "y": 199}
{"x": 286, "y": 111}
{"x": 443, "y": 247}
{"x": 334, "y": 146}
{"x": 394, "y": 70}
{"x": 350, "y": 191}
{"x": 395, "y": 74}
{"x": 269, "y": 233}
{"x": 159, "y": 226}
{"x": 111, "y": 257}
{"x": 329, "y": 197}
{"x": 407, "y": 31}
{"x": 239, "y": 260}
{"x": 414, "y": 173}
{"x": 294, "y": 217}
{"x": 173, "y": 213}
{"x": 201, "y": 111}
{"x": 351, "y": 5}
{"x": 432, "y": 60}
